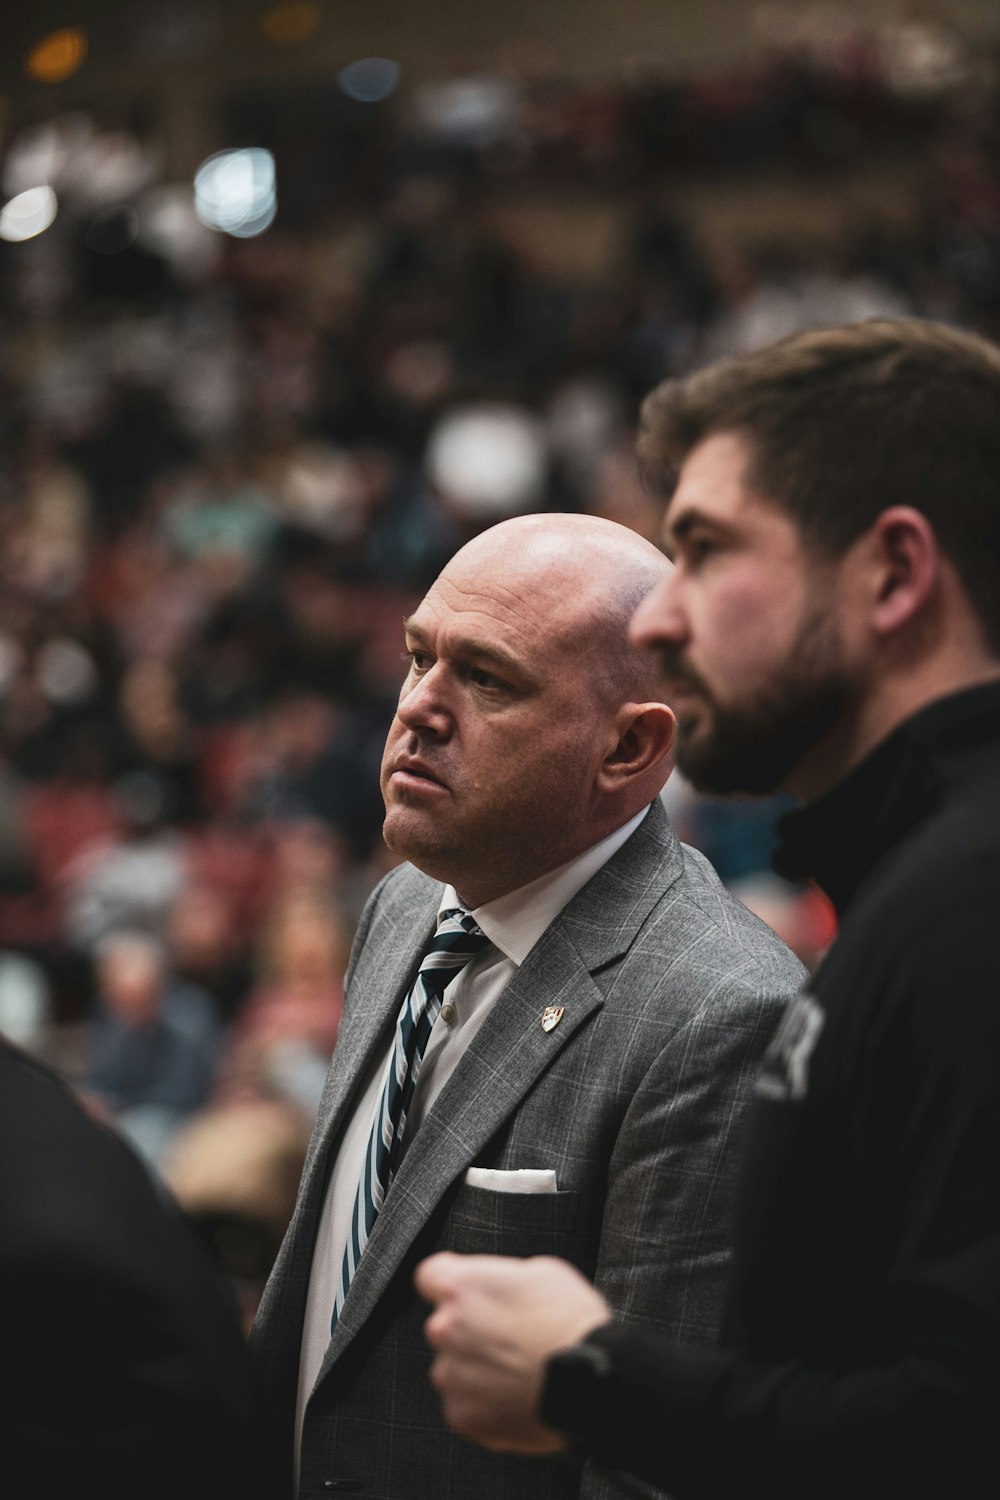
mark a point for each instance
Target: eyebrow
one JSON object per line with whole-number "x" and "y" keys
{"x": 675, "y": 531}
{"x": 478, "y": 650}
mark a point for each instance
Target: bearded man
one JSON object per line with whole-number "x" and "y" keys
{"x": 832, "y": 627}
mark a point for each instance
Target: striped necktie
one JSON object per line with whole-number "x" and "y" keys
{"x": 456, "y": 940}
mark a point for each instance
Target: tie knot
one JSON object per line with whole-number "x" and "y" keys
{"x": 458, "y": 919}
{"x": 455, "y": 941}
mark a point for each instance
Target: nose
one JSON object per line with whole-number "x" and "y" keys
{"x": 423, "y": 702}
{"x": 659, "y": 620}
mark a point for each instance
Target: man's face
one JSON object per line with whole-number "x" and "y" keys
{"x": 748, "y": 629}
{"x": 489, "y": 766}
{"x": 131, "y": 985}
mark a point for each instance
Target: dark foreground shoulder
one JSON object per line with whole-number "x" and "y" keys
{"x": 130, "y": 1371}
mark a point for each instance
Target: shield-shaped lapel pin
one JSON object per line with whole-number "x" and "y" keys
{"x": 551, "y": 1016}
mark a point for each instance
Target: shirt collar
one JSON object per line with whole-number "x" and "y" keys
{"x": 515, "y": 922}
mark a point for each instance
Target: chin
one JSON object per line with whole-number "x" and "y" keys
{"x": 395, "y": 835}
{"x": 408, "y": 836}
{"x": 727, "y": 766}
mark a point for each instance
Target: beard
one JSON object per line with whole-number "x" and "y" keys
{"x": 753, "y": 746}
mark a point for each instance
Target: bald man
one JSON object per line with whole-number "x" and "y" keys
{"x": 554, "y": 1013}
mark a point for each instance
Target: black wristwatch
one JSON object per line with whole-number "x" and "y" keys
{"x": 574, "y": 1392}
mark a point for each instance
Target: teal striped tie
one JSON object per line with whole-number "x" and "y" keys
{"x": 455, "y": 942}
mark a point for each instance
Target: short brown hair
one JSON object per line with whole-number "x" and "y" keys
{"x": 842, "y": 423}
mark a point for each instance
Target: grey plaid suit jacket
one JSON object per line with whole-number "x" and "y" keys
{"x": 671, "y": 992}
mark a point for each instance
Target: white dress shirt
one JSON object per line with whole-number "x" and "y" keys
{"x": 513, "y": 923}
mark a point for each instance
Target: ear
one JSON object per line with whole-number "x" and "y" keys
{"x": 906, "y": 560}
{"x": 644, "y": 734}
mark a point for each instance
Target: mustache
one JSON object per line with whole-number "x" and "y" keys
{"x": 677, "y": 673}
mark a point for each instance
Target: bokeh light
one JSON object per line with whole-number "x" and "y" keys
{"x": 58, "y": 56}
{"x": 28, "y": 214}
{"x": 235, "y": 191}
{"x": 291, "y": 24}
{"x": 369, "y": 79}
{"x": 169, "y": 227}
{"x": 487, "y": 461}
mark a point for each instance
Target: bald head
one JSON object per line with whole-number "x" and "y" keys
{"x": 527, "y": 728}
{"x": 588, "y": 576}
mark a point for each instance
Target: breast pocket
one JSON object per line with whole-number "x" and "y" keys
{"x": 482, "y": 1222}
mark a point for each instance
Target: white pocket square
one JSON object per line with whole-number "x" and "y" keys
{"x": 523, "y": 1180}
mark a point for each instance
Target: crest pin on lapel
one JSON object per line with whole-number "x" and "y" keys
{"x": 551, "y": 1016}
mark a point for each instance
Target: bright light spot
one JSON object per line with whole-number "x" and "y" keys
{"x": 488, "y": 460}
{"x": 290, "y": 24}
{"x": 234, "y": 191}
{"x": 57, "y": 56}
{"x": 28, "y": 214}
{"x": 369, "y": 79}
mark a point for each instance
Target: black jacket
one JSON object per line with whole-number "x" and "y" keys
{"x": 861, "y": 1349}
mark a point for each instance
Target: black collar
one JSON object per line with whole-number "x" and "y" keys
{"x": 841, "y": 836}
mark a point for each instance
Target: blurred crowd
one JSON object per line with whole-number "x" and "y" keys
{"x": 229, "y": 468}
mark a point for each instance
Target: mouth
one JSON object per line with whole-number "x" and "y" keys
{"x": 414, "y": 775}
{"x": 680, "y": 687}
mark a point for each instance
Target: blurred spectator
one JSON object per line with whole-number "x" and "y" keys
{"x": 152, "y": 1051}
{"x": 157, "y": 735}
{"x": 206, "y": 946}
{"x": 775, "y": 292}
{"x": 47, "y": 552}
{"x": 235, "y": 1168}
{"x": 280, "y": 1045}
{"x": 130, "y": 879}
{"x": 222, "y": 520}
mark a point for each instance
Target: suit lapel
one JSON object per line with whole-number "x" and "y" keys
{"x": 496, "y": 1072}
{"x": 510, "y": 1052}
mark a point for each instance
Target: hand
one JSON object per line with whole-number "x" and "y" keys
{"x": 497, "y": 1321}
